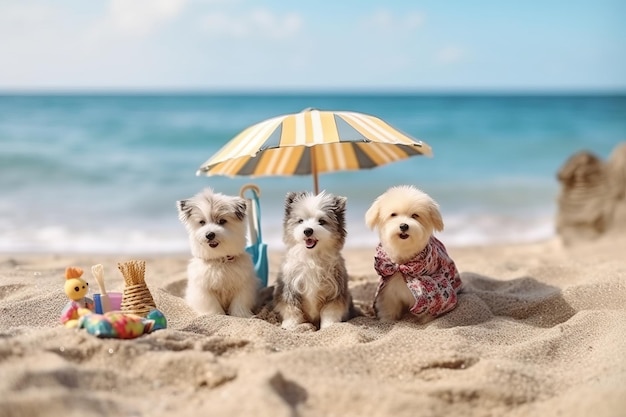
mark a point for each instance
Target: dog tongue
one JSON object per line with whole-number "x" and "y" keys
{"x": 310, "y": 243}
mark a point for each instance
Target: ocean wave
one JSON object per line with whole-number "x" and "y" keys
{"x": 59, "y": 239}
{"x": 102, "y": 173}
{"x": 461, "y": 230}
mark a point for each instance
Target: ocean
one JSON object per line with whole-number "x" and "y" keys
{"x": 102, "y": 173}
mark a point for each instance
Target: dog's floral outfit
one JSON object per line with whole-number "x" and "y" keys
{"x": 431, "y": 277}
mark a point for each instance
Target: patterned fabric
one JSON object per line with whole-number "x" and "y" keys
{"x": 431, "y": 277}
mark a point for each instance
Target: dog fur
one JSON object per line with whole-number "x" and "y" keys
{"x": 312, "y": 286}
{"x": 406, "y": 219}
{"x": 221, "y": 276}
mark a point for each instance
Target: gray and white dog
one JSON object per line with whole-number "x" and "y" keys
{"x": 312, "y": 286}
{"x": 221, "y": 277}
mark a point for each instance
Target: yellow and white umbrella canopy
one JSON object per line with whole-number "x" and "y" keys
{"x": 313, "y": 142}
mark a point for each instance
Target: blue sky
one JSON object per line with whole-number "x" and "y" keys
{"x": 312, "y": 46}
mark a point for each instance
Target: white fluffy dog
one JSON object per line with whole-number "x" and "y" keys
{"x": 221, "y": 277}
{"x": 416, "y": 273}
{"x": 312, "y": 286}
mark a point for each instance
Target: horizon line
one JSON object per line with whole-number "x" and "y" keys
{"x": 316, "y": 92}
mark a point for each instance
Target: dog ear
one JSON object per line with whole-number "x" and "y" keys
{"x": 340, "y": 203}
{"x": 435, "y": 216}
{"x": 240, "y": 207}
{"x": 289, "y": 200}
{"x": 372, "y": 215}
{"x": 184, "y": 210}
{"x": 293, "y": 196}
{"x": 339, "y": 209}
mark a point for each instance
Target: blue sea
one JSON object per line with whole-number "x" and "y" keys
{"x": 102, "y": 173}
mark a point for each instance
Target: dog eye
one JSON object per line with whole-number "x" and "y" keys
{"x": 415, "y": 216}
{"x": 393, "y": 214}
{"x": 322, "y": 222}
{"x": 202, "y": 222}
{"x": 221, "y": 221}
{"x": 300, "y": 221}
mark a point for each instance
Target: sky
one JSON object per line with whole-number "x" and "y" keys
{"x": 348, "y": 45}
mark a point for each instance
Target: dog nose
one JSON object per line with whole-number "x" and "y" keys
{"x": 308, "y": 232}
{"x": 210, "y": 236}
{"x": 404, "y": 227}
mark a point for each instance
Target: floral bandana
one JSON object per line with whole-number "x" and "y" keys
{"x": 431, "y": 276}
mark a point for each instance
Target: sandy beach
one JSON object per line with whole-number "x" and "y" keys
{"x": 539, "y": 330}
{"x": 511, "y": 116}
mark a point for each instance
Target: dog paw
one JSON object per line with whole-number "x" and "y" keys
{"x": 304, "y": 328}
{"x": 327, "y": 324}
{"x": 297, "y": 326}
{"x": 210, "y": 312}
{"x": 389, "y": 318}
{"x": 289, "y": 324}
{"x": 246, "y": 314}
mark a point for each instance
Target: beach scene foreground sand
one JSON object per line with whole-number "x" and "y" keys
{"x": 540, "y": 329}
{"x": 510, "y": 115}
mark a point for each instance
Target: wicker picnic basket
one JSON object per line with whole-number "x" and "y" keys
{"x": 136, "y": 298}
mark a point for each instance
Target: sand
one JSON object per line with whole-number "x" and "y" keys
{"x": 540, "y": 330}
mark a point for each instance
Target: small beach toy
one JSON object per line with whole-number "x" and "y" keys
{"x": 256, "y": 247}
{"x": 137, "y": 316}
{"x": 159, "y": 319}
{"x": 76, "y": 289}
{"x": 137, "y": 298}
{"x": 118, "y": 325}
{"x": 115, "y": 301}
{"x": 103, "y": 304}
{"x": 97, "y": 325}
{"x": 71, "y": 314}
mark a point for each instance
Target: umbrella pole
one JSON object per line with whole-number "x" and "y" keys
{"x": 314, "y": 171}
{"x": 315, "y": 185}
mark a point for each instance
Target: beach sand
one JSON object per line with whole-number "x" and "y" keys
{"x": 540, "y": 330}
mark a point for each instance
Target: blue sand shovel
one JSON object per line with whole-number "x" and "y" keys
{"x": 256, "y": 248}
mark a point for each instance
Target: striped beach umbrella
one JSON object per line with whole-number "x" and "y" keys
{"x": 313, "y": 142}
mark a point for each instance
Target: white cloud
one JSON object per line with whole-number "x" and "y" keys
{"x": 33, "y": 34}
{"x": 385, "y": 20}
{"x": 125, "y": 22}
{"x": 140, "y": 17}
{"x": 451, "y": 54}
{"x": 95, "y": 44}
{"x": 25, "y": 13}
{"x": 254, "y": 24}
